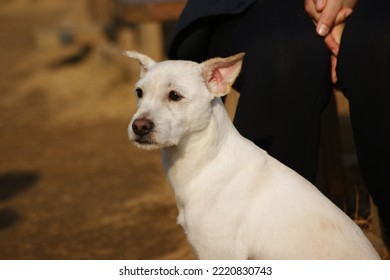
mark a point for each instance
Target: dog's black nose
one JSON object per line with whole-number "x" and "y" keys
{"x": 142, "y": 126}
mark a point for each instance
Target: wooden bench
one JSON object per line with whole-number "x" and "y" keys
{"x": 135, "y": 11}
{"x": 147, "y": 17}
{"x": 138, "y": 22}
{"x": 149, "y": 10}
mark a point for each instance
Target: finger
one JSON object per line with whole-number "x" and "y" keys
{"x": 342, "y": 15}
{"x": 311, "y": 11}
{"x": 333, "y": 39}
{"x": 328, "y": 17}
{"x": 320, "y": 5}
{"x": 332, "y": 44}
{"x": 333, "y": 63}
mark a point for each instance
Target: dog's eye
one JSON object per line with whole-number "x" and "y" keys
{"x": 174, "y": 96}
{"x": 139, "y": 92}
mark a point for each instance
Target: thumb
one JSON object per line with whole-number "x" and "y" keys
{"x": 327, "y": 18}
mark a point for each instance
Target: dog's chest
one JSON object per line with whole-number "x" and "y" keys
{"x": 212, "y": 228}
{"x": 209, "y": 240}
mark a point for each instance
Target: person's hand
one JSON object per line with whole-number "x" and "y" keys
{"x": 328, "y": 13}
{"x": 329, "y": 16}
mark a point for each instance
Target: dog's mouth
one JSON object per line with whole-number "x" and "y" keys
{"x": 144, "y": 141}
{"x": 150, "y": 144}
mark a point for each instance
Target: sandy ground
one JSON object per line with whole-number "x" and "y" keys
{"x": 71, "y": 184}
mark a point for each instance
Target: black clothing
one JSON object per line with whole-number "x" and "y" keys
{"x": 195, "y": 25}
{"x": 364, "y": 76}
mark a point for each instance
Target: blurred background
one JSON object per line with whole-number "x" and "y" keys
{"x": 71, "y": 184}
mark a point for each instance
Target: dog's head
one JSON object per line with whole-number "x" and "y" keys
{"x": 174, "y": 97}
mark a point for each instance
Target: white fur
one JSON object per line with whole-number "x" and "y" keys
{"x": 235, "y": 201}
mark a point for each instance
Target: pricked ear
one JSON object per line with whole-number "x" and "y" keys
{"x": 144, "y": 61}
{"x": 220, "y": 73}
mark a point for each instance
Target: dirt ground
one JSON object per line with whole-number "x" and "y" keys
{"x": 71, "y": 184}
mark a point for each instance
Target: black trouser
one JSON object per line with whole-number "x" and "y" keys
{"x": 285, "y": 83}
{"x": 364, "y": 76}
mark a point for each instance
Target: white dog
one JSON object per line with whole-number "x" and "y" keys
{"x": 235, "y": 201}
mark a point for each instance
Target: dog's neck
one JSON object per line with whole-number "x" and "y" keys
{"x": 197, "y": 150}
